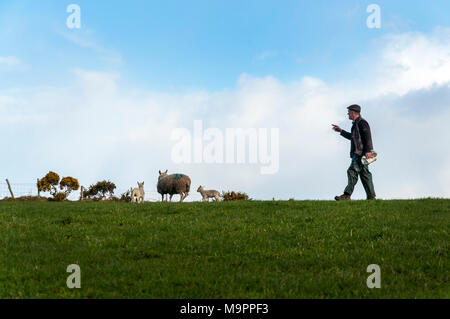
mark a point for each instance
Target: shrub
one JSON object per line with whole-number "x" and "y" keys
{"x": 126, "y": 197}
{"x": 90, "y": 192}
{"x": 48, "y": 183}
{"x": 232, "y": 196}
{"x": 59, "y": 197}
{"x": 69, "y": 184}
{"x": 100, "y": 190}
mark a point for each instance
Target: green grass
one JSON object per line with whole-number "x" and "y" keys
{"x": 274, "y": 249}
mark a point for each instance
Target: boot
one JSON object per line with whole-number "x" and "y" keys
{"x": 344, "y": 196}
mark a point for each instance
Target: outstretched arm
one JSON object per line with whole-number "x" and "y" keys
{"x": 346, "y": 134}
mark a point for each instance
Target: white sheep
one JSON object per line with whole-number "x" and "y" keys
{"x": 138, "y": 194}
{"x": 207, "y": 194}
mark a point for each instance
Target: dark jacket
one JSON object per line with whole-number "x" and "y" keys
{"x": 360, "y": 137}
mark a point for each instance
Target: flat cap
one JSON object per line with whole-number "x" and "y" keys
{"x": 355, "y": 107}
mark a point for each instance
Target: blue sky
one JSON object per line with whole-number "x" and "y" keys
{"x": 172, "y": 45}
{"x": 102, "y": 102}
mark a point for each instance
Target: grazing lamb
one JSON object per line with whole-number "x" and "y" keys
{"x": 137, "y": 194}
{"x": 173, "y": 184}
{"x": 207, "y": 194}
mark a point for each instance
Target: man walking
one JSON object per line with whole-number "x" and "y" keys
{"x": 361, "y": 144}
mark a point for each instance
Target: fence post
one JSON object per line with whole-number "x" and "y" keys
{"x": 10, "y": 191}
{"x": 82, "y": 193}
{"x": 37, "y": 185}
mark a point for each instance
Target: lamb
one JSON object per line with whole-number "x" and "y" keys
{"x": 173, "y": 184}
{"x": 137, "y": 194}
{"x": 207, "y": 194}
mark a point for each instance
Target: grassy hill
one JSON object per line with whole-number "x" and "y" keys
{"x": 254, "y": 249}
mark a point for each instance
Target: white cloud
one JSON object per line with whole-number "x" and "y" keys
{"x": 402, "y": 62}
{"x": 413, "y": 61}
{"x": 94, "y": 129}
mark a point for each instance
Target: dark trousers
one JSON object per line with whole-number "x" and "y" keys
{"x": 357, "y": 168}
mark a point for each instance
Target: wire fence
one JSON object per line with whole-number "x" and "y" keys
{"x": 30, "y": 189}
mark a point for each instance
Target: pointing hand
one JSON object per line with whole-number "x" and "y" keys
{"x": 336, "y": 128}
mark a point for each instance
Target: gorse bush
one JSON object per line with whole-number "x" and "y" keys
{"x": 50, "y": 182}
{"x": 126, "y": 197}
{"x": 231, "y": 196}
{"x": 100, "y": 190}
{"x": 59, "y": 197}
{"x": 69, "y": 184}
